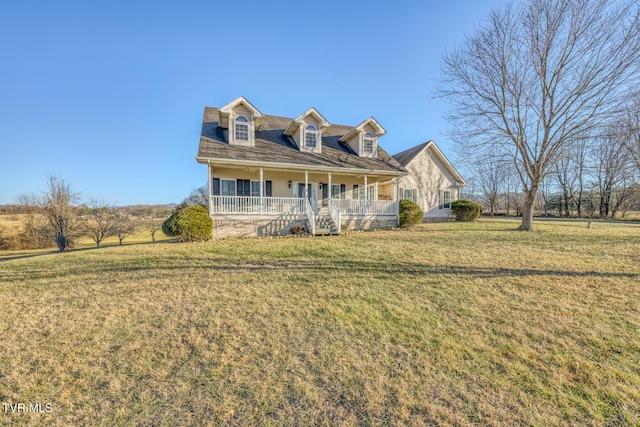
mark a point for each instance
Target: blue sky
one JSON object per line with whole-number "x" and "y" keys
{"x": 109, "y": 95}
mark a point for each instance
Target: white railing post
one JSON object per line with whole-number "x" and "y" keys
{"x": 335, "y": 215}
{"x": 311, "y": 216}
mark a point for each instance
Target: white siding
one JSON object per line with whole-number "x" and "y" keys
{"x": 430, "y": 176}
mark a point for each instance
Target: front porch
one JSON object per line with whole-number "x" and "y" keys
{"x": 329, "y": 219}
{"x": 273, "y": 201}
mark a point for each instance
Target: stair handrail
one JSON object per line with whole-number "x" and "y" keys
{"x": 311, "y": 216}
{"x": 335, "y": 215}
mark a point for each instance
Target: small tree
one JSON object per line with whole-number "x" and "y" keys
{"x": 58, "y": 221}
{"x": 153, "y": 226}
{"x": 410, "y": 213}
{"x": 189, "y": 223}
{"x": 100, "y": 222}
{"x": 125, "y": 226}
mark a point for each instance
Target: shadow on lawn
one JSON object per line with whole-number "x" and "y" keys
{"x": 90, "y": 248}
{"x": 323, "y": 267}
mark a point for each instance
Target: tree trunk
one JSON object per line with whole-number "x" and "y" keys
{"x": 527, "y": 212}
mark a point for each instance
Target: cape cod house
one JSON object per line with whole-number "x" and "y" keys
{"x": 271, "y": 175}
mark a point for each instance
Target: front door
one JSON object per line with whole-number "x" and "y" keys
{"x": 311, "y": 194}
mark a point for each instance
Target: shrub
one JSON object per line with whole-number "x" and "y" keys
{"x": 189, "y": 223}
{"x": 410, "y": 213}
{"x": 466, "y": 211}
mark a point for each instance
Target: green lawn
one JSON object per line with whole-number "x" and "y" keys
{"x": 450, "y": 324}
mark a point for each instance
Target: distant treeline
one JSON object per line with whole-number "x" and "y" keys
{"x": 142, "y": 211}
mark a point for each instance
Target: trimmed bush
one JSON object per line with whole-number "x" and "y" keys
{"x": 410, "y": 213}
{"x": 466, "y": 211}
{"x": 189, "y": 223}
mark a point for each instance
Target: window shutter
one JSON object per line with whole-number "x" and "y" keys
{"x": 216, "y": 186}
{"x": 343, "y": 189}
{"x": 267, "y": 188}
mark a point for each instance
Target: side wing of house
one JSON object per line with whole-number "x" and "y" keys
{"x": 432, "y": 181}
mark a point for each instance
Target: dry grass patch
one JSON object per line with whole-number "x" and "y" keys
{"x": 454, "y": 324}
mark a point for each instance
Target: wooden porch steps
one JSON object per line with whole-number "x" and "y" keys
{"x": 325, "y": 225}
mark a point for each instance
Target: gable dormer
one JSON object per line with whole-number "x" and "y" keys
{"x": 363, "y": 139}
{"x": 306, "y": 130}
{"x": 242, "y": 119}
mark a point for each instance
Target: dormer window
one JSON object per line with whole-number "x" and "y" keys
{"x": 310, "y": 136}
{"x": 241, "y": 129}
{"x": 368, "y": 143}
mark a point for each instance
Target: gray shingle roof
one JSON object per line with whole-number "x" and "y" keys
{"x": 273, "y": 146}
{"x": 405, "y": 157}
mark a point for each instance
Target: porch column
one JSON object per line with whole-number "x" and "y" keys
{"x": 210, "y": 187}
{"x": 365, "y": 188}
{"x": 366, "y": 195}
{"x": 306, "y": 183}
{"x": 375, "y": 196}
{"x": 261, "y": 191}
{"x": 395, "y": 189}
{"x": 329, "y": 192}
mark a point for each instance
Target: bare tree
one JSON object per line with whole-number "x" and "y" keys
{"x": 491, "y": 171}
{"x": 53, "y": 216}
{"x": 629, "y": 131}
{"x": 539, "y": 74}
{"x": 101, "y": 221}
{"x": 198, "y": 196}
{"x": 153, "y": 226}
{"x": 125, "y": 226}
{"x": 613, "y": 173}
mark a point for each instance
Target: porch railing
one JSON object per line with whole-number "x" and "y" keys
{"x": 366, "y": 207}
{"x": 250, "y": 205}
{"x": 311, "y": 216}
{"x": 335, "y": 215}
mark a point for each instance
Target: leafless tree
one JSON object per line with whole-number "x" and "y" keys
{"x": 491, "y": 173}
{"x": 538, "y": 74}
{"x": 570, "y": 174}
{"x": 153, "y": 226}
{"x": 629, "y": 131}
{"x": 613, "y": 173}
{"x": 101, "y": 221}
{"x": 34, "y": 222}
{"x": 198, "y": 196}
{"x": 125, "y": 226}
{"x": 52, "y": 213}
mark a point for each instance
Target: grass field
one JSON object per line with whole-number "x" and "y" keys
{"x": 449, "y": 324}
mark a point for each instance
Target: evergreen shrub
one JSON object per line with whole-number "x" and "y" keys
{"x": 189, "y": 223}
{"x": 410, "y": 213}
{"x": 465, "y": 211}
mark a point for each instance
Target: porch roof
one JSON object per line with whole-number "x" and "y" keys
{"x": 274, "y": 148}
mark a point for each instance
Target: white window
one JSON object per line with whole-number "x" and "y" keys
{"x": 242, "y": 128}
{"x": 228, "y": 187}
{"x": 368, "y": 143}
{"x": 445, "y": 199}
{"x": 409, "y": 194}
{"x": 310, "y": 136}
{"x": 337, "y": 191}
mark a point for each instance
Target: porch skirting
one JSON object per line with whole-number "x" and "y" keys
{"x": 256, "y": 226}
{"x": 368, "y": 222}
{"x": 238, "y": 226}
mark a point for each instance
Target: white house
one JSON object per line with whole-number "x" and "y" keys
{"x": 270, "y": 175}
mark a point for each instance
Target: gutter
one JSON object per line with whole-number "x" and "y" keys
{"x": 289, "y": 166}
